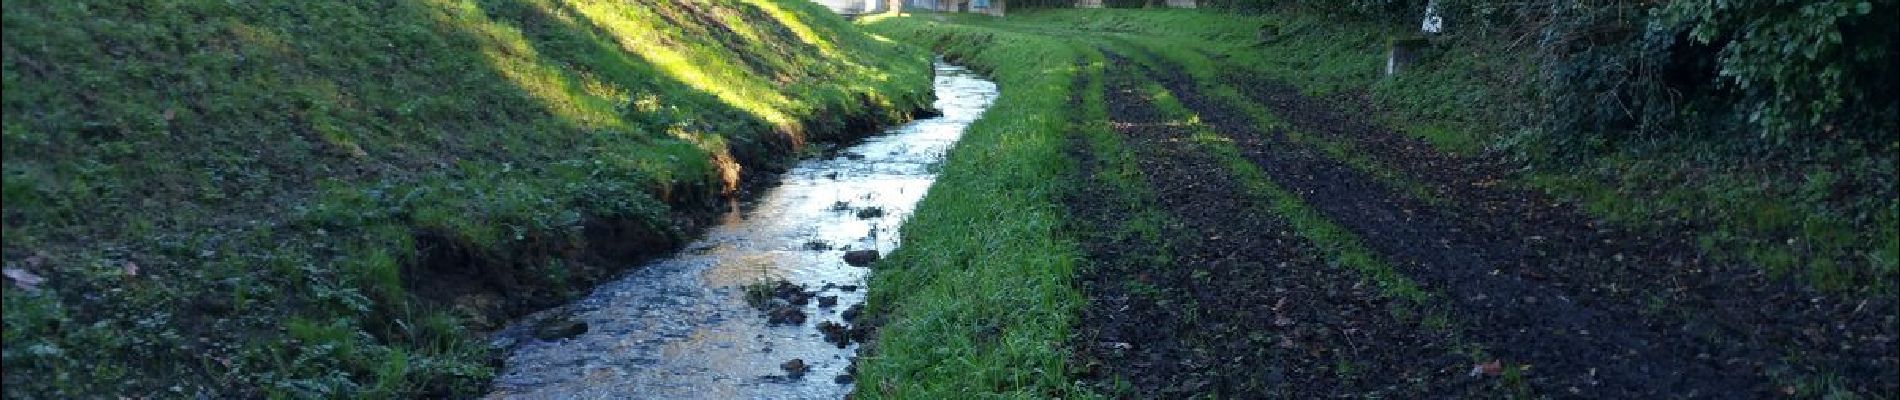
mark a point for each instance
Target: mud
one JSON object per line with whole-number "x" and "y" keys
{"x": 1241, "y": 307}
{"x": 1593, "y": 309}
{"x": 1657, "y": 271}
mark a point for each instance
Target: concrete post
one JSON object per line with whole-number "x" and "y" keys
{"x": 1401, "y": 53}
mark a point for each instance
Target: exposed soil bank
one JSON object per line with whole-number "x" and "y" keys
{"x": 492, "y": 286}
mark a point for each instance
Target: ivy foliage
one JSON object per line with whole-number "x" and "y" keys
{"x": 1769, "y": 76}
{"x": 1798, "y": 68}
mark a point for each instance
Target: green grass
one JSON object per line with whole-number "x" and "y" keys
{"x": 1785, "y": 215}
{"x": 317, "y": 199}
{"x": 1467, "y": 96}
{"x": 1166, "y": 48}
{"x": 935, "y": 290}
{"x": 982, "y": 253}
{"x": 1341, "y": 246}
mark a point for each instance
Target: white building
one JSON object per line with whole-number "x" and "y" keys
{"x": 991, "y": 7}
{"x": 854, "y": 7}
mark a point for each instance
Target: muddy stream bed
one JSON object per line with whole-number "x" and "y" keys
{"x": 682, "y": 327}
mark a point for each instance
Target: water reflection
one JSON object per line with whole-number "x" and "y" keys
{"x": 680, "y": 328}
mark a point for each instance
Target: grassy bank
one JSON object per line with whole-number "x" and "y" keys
{"x": 330, "y": 199}
{"x": 979, "y": 300}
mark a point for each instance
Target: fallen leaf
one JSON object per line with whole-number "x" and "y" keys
{"x": 24, "y": 279}
{"x": 1492, "y": 368}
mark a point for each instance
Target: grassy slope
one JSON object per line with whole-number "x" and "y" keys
{"x": 979, "y": 299}
{"x": 285, "y": 198}
{"x": 1785, "y": 216}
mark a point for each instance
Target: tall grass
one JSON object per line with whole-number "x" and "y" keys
{"x": 979, "y": 300}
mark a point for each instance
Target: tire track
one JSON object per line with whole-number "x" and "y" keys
{"x": 1566, "y": 343}
{"x": 1241, "y": 306}
{"x": 1780, "y": 327}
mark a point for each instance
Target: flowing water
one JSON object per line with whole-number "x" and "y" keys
{"x": 680, "y": 327}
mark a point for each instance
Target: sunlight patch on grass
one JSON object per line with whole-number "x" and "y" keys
{"x": 798, "y": 27}
{"x": 509, "y": 53}
{"x": 639, "y": 34}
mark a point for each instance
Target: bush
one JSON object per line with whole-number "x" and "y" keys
{"x": 1811, "y": 70}
{"x": 1775, "y": 76}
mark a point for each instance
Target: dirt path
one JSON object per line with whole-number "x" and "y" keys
{"x": 1573, "y": 347}
{"x": 1591, "y": 310}
{"x": 1754, "y": 325}
{"x": 1228, "y": 301}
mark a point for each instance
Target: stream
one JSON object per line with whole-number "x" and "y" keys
{"x": 681, "y": 327}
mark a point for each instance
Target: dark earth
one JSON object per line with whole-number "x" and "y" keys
{"x": 1566, "y": 305}
{"x": 1245, "y": 307}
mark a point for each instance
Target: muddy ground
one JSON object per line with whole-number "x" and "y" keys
{"x": 1240, "y": 306}
{"x": 1230, "y": 301}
